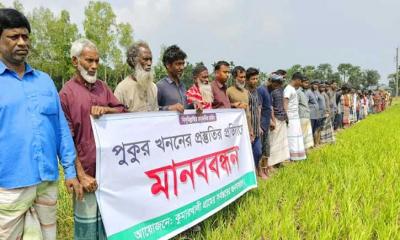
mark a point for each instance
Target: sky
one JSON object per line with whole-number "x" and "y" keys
{"x": 267, "y": 34}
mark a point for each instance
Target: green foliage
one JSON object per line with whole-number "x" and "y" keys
{"x": 51, "y": 41}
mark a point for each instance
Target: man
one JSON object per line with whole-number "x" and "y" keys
{"x": 304, "y": 113}
{"x": 239, "y": 96}
{"x": 33, "y": 134}
{"x": 171, "y": 90}
{"x": 291, "y": 103}
{"x": 266, "y": 115}
{"x": 331, "y": 91}
{"x": 326, "y": 135}
{"x": 219, "y": 87}
{"x": 200, "y": 94}
{"x": 84, "y": 95}
{"x": 252, "y": 75}
{"x": 314, "y": 107}
{"x": 279, "y": 146}
{"x": 138, "y": 92}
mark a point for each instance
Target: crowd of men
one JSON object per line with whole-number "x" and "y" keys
{"x": 40, "y": 127}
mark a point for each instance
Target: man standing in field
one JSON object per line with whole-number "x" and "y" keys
{"x": 265, "y": 123}
{"x": 314, "y": 108}
{"x": 33, "y": 134}
{"x": 171, "y": 90}
{"x": 84, "y": 95}
{"x": 138, "y": 92}
{"x": 252, "y": 76}
{"x": 279, "y": 150}
{"x": 219, "y": 87}
{"x": 304, "y": 114}
{"x": 291, "y": 103}
{"x": 239, "y": 96}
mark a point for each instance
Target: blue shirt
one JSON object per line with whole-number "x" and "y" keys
{"x": 169, "y": 93}
{"x": 33, "y": 130}
{"x": 266, "y": 107}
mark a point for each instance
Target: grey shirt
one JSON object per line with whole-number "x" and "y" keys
{"x": 170, "y": 93}
{"x": 313, "y": 104}
{"x": 321, "y": 104}
{"x": 304, "y": 110}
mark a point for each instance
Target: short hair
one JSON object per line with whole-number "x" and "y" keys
{"x": 236, "y": 70}
{"x": 297, "y": 76}
{"x": 305, "y": 79}
{"x": 172, "y": 54}
{"x": 281, "y": 72}
{"x": 199, "y": 68}
{"x": 11, "y": 18}
{"x": 219, "y": 64}
{"x": 80, "y": 44}
{"x": 251, "y": 72}
{"x": 132, "y": 53}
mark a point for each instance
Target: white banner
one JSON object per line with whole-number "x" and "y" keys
{"x": 160, "y": 173}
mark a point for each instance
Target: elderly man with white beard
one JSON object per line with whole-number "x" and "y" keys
{"x": 138, "y": 92}
{"x": 84, "y": 95}
{"x": 200, "y": 94}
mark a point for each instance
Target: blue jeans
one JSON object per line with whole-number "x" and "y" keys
{"x": 257, "y": 153}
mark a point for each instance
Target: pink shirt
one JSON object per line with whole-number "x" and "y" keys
{"x": 77, "y": 100}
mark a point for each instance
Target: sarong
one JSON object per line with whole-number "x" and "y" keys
{"x": 87, "y": 218}
{"x": 327, "y": 135}
{"x": 308, "y": 138}
{"x": 279, "y": 146}
{"x": 29, "y": 212}
{"x": 295, "y": 140}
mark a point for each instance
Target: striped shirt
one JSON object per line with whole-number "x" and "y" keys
{"x": 254, "y": 102}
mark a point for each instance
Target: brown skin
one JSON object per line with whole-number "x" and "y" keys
{"x": 175, "y": 71}
{"x": 222, "y": 74}
{"x": 145, "y": 58}
{"x": 14, "y": 48}
{"x": 89, "y": 60}
{"x": 305, "y": 84}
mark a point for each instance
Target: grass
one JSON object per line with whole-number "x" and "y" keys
{"x": 349, "y": 190}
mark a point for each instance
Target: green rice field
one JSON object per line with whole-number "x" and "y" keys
{"x": 348, "y": 190}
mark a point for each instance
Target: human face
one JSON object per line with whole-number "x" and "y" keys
{"x": 175, "y": 69}
{"x": 14, "y": 46}
{"x": 222, "y": 74}
{"x": 252, "y": 82}
{"x": 202, "y": 78}
{"x": 88, "y": 60}
{"x": 145, "y": 58}
{"x": 305, "y": 84}
{"x": 241, "y": 77}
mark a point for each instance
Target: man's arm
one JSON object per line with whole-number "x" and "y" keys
{"x": 67, "y": 154}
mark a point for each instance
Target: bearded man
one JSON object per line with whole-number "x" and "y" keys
{"x": 82, "y": 96}
{"x": 200, "y": 94}
{"x": 138, "y": 92}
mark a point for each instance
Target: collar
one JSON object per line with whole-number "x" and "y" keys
{"x": 170, "y": 81}
{"x": 3, "y": 68}
{"x": 220, "y": 85}
{"x": 86, "y": 85}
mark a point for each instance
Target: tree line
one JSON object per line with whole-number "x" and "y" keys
{"x": 52, "y": 35}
